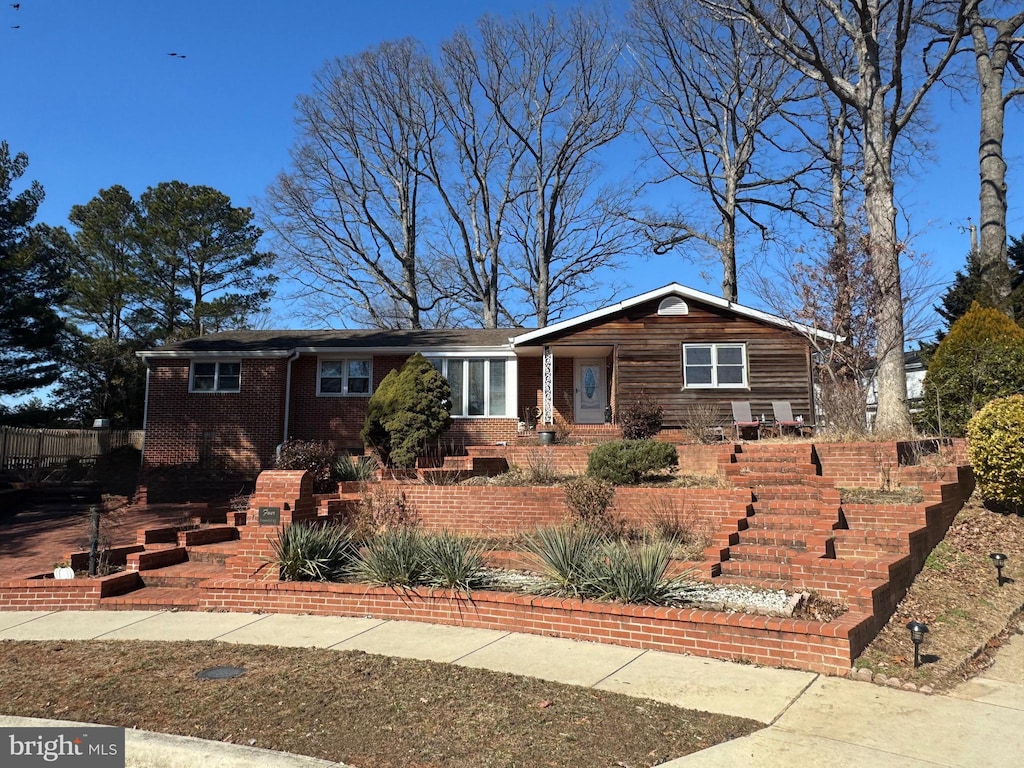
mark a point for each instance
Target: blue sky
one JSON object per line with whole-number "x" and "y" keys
{"x": 92, "y": 97}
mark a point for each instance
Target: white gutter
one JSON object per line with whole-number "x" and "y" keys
{"x": 288, "y": 392}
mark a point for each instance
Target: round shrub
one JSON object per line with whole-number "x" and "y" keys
{"x": 995, "y": 446}
{"x": 627, "y": 462}
{"x": 981, "y": 358}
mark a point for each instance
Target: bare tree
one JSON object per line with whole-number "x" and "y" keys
{"x": 556, "y": 83}
{"x": 998, "y": 45}
{"x": 885, "y": 38}
{"x": 476, "y": 173}
{"x": 349, "y": 215}
{"x": 715, "y": 98}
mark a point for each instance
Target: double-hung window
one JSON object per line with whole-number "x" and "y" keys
{"x": 714, "y": 366}
{"x": 216, "y": 377}
{"x": 478, "y": 385}
{"x": 344, "y": 377}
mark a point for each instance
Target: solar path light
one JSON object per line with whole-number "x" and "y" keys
{"x": 917, "y": 633}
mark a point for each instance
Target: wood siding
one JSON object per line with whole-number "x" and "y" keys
{"x": 648, "y": 358}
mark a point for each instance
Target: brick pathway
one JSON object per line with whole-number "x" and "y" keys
{"x": 31, "y": 541}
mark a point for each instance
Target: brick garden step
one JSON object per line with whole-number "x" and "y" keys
{"x": 764, "y": 553}
{"x": 154, "y": 598}
{"x": 214, "y": 553}
{"x": 757, "y": 569}
{"x": 187, "y": 574}
{"x": 210, "y": 535}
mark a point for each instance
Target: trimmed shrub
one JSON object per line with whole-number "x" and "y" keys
{"x": 627, "y": 462}
{"x": 313, "y": 552}
{"x": 641, "y": 418}
{"x": 981, "y": 358}
{"x": 408, "y": 411}
{"x": 995, "y": 447}
{"x": 314, "y": 456}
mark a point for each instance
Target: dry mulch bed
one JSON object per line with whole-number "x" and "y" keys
{"x": 366, "y": 710}
{"x": 957, "y": 596}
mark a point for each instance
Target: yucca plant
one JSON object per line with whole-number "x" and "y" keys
{"x": 452, "y": 561}
{"x": 313, "y": 552}
{"x": 567, "y": 555}
{"x": 633, "y": 573}
{"x": 393, "y": 558}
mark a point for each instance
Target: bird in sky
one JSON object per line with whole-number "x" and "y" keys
{"x": 177, "y": 55}
{"x": 16, "y": 6}
{"x": 16, "y": 26}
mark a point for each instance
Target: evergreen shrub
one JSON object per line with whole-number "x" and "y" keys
{"x": 409, "y": 410}
{"x": 981, "y": 358}
{"x": 627, "y": 462}
{"x": 995, "y": 447}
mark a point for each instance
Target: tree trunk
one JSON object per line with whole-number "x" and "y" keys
{"x": 893, "y": 415}
{"x": 730, "y": 290}
{"x": 992, "y": 257}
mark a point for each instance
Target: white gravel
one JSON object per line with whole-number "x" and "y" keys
{"x": 725, "y": 597}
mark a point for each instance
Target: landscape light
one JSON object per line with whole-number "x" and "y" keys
{"x": 917, "y": 632}
{"x": 999, "y": 560}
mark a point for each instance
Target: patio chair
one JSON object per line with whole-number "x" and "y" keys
{"x": 783, "y": 412}
{"x": 741, "y": 418}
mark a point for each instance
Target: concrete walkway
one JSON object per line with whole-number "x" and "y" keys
{"x": 812, "y": 720}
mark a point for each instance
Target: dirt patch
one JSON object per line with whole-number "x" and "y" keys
{"x": 957, "y": 596}
{"x": 370, "y": 711}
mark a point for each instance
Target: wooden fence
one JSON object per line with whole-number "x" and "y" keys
{"x": 25, "y": 448}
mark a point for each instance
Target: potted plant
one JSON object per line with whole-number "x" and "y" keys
{"x": 546, "y": 434}
{"x": 62, "y": 570}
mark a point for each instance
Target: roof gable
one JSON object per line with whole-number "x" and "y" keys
{"x": 671, "y": 290}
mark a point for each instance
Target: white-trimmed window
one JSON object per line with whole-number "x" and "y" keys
{"x": 714, "y": 366}
{"x": 344, "y": 377}
{"x": 478, "y": 384}
{"x": 215, "y": 377}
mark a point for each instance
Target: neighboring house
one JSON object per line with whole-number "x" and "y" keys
{"x": 227, "y": 400}
{"x": 915, "y": 371}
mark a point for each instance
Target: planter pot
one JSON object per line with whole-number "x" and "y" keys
{"x": 66, "y": 572}
{"x": 546, "y": 436}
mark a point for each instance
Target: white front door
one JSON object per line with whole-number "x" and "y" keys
{"x": 591, "y": 392}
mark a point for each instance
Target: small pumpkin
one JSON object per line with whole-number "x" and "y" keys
{"x": 63, "y": 572}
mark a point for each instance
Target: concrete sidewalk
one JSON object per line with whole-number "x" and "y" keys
{"x": 812, "y": 720}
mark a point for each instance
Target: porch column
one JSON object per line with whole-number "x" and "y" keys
{"x": 547, "y": 415}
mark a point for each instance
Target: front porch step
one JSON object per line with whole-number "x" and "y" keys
{"x": 154, "y": 599}
{"x": 188, "y": 574}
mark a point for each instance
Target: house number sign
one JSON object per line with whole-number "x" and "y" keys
{"x": 270, "y": 516}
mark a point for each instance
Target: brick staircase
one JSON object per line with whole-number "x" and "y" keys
{"x": 172, "y": 562}
{"x": 794, "y": 513}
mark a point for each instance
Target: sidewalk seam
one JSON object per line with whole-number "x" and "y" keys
{"x": 795, "y": 699}
{"x": 614, "y": 672}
